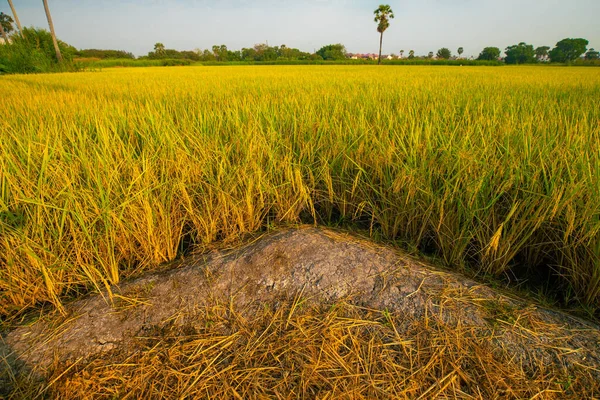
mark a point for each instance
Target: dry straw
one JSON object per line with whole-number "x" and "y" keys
{"x": 298, "y": 350}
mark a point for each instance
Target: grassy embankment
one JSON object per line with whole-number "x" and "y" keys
{"x": 106, "y": 175}
{"x": 96, "y": 63}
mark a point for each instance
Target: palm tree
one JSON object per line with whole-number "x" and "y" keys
{"x": 382, "y": 16}
{"x": 56, "y": 48}
{"x": 14, "y": 12}
{"x": 411, "y": 54}
{"x": 401, "y": 53}
{"x": 460, "y": 51}
{"x": 159, "y": 49}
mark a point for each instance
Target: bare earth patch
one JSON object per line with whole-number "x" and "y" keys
{"x": 304, "y": 313}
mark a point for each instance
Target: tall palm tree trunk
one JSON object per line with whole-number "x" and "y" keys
{"x": 380, "y": 44}
{"x": 58, "y": 55}
{"x": 14, "y": 12}
{"x": 4, "y": 35}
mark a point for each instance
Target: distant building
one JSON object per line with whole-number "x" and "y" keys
{"x": 367, "y": 56}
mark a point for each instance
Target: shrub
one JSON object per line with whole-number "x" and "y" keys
{"x": 34, "y": 53}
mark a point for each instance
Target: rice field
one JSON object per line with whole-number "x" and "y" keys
{"x": 105, "y": 175}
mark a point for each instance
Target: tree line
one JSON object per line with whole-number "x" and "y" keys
{"x": 565, "y": 51}
{"x": 220, "y": 53}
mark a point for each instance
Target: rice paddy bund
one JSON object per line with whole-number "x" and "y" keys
{"x": 104, "y": 175}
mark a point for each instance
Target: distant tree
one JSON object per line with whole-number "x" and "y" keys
{"x": 411, "y": 54}
{"x": 401, "y": 53}
{"x": 260, "y": 52}
{"x": 270, "y": 53}
{"x": 592, "y": 55}
{"x": 521, "y": 53}
{"x": 263, "y": 52}
{"x": 189, "y": 55}
{"x": 430, "y": 54}
{"x": 52, "y": 32}
{"x": 5, "y": 25}
{"x": 207, "y": 55}
{"x": 541, "y": 52}
{"x": 444, "y": 53}
{"x": 489, "y": 53}
{"x": 159, "y": 49}
{"x": 383, "y": 14}
{"x": 460, "y": 51}
{"x": 289, "y": 53}
{"x": 160, "y": 53}
{"x": 3, "y": 33}
{"x": 284, "y": 52}
{"x": 173, "y": 54}
{"x": 6, "y": 21}
{"x": 234, "y": 55}
{"x": 104, "y": 54}
{"x": 248, "y": 54}
{"x": 221, "y": 52}
{"x": 14, "y": 12}
{"x": 568, "y": 50}
{"x": 332, "y": 52}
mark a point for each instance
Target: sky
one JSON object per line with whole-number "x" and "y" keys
{"x": 420, "y": 25}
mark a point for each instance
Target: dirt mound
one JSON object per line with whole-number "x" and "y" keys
{"x": 320, "y": 267}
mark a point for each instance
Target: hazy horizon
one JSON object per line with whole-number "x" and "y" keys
{"x": 135, "y": 25}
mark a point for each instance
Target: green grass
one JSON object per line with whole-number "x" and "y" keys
{"x": 104, "y": 175}
{"x": 128, "y": 62}
{"x": 406, "y": 61}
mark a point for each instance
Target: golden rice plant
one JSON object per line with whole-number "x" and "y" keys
{"x": 104, "y": 175}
